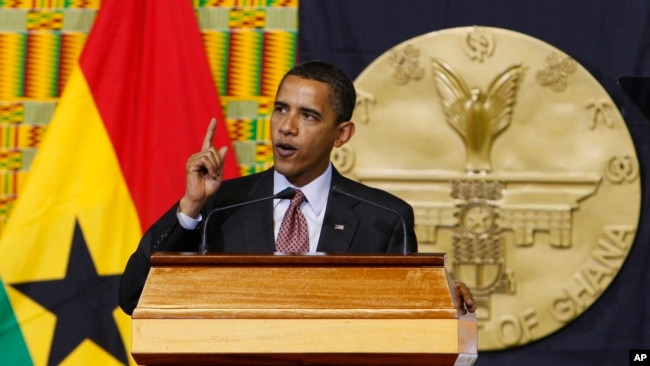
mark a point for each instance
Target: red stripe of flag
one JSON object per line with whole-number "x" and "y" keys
{"x": 148, "y": 73}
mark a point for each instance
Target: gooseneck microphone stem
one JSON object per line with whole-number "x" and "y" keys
{"x": 405, "y": 248}
{"x": 286, "y": 193}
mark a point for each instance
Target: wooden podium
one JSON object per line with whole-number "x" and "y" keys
{"x": 312, "y": 309}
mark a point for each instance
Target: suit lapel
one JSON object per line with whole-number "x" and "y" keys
{"x": 259, "y": 238}
{"x": 340, "y": 223}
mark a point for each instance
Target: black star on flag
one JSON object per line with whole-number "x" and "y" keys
{"x": 83, "y": 303}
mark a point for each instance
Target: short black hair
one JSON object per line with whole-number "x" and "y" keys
{"x": 342, "y": 97}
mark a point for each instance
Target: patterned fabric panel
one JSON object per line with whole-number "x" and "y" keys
{"x": 250, "y": 44}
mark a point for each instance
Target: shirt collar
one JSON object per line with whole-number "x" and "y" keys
{"x": 316, "y": 191}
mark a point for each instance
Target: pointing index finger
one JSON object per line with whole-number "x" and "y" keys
{"x": 207, "y": 141}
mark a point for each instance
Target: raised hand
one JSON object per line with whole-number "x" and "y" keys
{"x": 204, "y": 173}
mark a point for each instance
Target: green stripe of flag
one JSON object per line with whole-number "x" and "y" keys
{"x": 14, "y": 349}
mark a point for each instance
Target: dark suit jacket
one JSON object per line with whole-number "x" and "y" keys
{"x": 350, "y": 225}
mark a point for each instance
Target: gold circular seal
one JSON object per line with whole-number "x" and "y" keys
{"x": 517, "y": 163}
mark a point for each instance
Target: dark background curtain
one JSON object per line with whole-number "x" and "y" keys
{"x": 611, "y": 39}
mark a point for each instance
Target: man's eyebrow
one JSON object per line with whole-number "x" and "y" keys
{"x": 279, "y": 103}
{"x": 310, "y": 111}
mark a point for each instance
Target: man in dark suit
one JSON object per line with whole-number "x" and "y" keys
{"x": 311, "y": 116}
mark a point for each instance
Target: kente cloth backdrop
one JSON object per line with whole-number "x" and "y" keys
{"x": 137, "y": 103}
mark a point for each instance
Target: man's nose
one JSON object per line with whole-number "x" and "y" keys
{"x": 288, "y": 124}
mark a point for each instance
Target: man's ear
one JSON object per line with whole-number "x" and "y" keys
{"x": 345, "y": 133}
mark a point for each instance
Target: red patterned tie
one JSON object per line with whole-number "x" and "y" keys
{"x": 293, "y": 236}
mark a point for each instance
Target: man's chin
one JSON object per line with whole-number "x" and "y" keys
{"x": 284, "y": 169}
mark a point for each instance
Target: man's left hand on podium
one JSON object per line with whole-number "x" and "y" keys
{"x": 464, "y": 298}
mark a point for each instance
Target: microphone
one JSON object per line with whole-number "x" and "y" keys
{"x": 288, "y": 193}
{"x": 337, "y": 189}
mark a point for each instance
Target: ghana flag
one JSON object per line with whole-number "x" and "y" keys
{"x": 135, "y": 107}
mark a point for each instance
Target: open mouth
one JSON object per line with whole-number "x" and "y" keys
{"x": 285, "y": 149}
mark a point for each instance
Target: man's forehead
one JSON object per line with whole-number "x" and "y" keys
{"x": 297, "y": 90}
